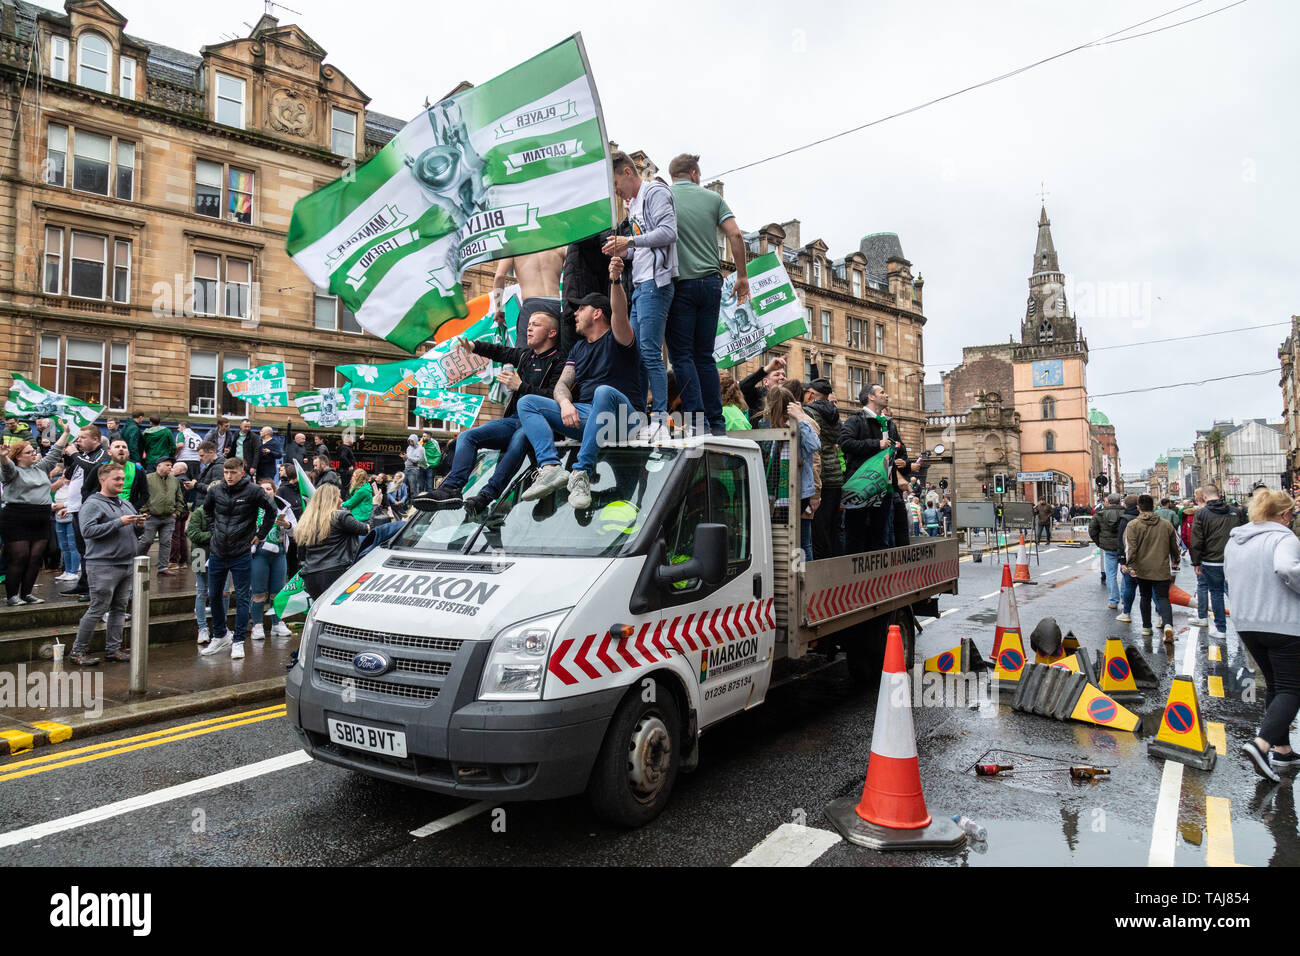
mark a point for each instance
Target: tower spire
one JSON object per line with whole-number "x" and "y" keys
{"x": 1045, "y": 251}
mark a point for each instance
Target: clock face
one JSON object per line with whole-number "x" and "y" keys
{"x": 1048, "y": 373}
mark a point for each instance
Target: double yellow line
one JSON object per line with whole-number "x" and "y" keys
{"x": 113, "y": 748}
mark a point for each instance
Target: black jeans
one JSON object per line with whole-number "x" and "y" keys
{"x": 826, "y": 524}
{"x": 1161, "y": 590}
{"x": 1278, "y": 656}
{"x": 1045, "y": 532}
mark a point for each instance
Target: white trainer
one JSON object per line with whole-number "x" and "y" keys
{"x": 258, "y": 634}
{"x": 217, "y": 646}
{"x": 280, "y": 629}
{"x": 579, "y": 491}
{"x": 204, "y": 635}
{"x": 1124, "y": 618}
{"x": 551, "y": 478}
{"x": 1198, "y": 622}
{"x": 237, "y": 651}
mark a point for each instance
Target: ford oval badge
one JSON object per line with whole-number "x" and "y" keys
{"x": 371, "y": 663}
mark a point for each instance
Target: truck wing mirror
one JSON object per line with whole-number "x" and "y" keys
{"x": 709, "y": 563}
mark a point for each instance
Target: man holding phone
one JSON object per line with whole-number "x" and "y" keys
{"x": 108, "y": 525}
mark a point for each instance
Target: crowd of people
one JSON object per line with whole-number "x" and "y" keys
{"x": 223, "y": 500}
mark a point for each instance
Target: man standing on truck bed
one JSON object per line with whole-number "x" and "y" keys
{"x": 537, "y": 369}
{"x": 599, "y": 375}
{"x": 861, "y": 436}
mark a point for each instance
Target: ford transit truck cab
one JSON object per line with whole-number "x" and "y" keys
{"x": 533, "y": 651}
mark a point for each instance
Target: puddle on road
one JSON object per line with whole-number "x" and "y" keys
{"x": 1079, "y": 839}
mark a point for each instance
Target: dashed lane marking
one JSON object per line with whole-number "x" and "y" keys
{"x": 1053, "y": 571}
{"x": 1218, "y": 832}
{"x": 1215, "y": 653}
{"x": 985, "y": 597}
{"x": 1218, "y": 736}
{"x": 951, "y": 610}
{"x": 1082, "y": 560}
{"x": 790, "y": 844}
{"x": 1215, "y": 683}
{"x": 239, "y": 774}
{"x": 451, "y": 819}
{"x": 1164, "y": 828}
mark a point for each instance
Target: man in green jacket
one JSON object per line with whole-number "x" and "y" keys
{"x": 157, "y": 443}
{"x": 166, "y": 503}
{"x": 1150, "y": 548}
{"x": 132, "y": 432}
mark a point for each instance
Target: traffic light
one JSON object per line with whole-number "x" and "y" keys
{"x": 943, "y": 484}
{"x": 1102, "y": 481}
{"x": 999, "y": 484}
{"x": 985, "y": 486}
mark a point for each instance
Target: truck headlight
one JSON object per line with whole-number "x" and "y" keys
{"x": 309, "y": 630}
{"x": 516, "y": 665}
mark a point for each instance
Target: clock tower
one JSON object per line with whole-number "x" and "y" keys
{"x": 1051, "y": 386}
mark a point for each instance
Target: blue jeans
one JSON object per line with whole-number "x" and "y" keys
{"x": 649, "y": 318}
{"x": 503, "y": 433}
{"x": 692, "y": 331}
{"x": 1128, "y": 591}
{"x": 541, "y": 418}
{"x": 201, "y": 598}
{"x": 1110, "y": 562}
{"x": 1210, "y": 584}
{"x": 266, "y": 578}
{"x": 68, "y": 546}
{"x": 240, "y": 569}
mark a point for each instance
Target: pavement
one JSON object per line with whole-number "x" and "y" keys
{"x": 44, "y": 703}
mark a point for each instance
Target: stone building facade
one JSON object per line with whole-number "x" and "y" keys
{"x": 978, "y": 444}
{"x": 144, "y": 209}
{"x": 1287, "y": 354}
{"x": 1103, "y": 433}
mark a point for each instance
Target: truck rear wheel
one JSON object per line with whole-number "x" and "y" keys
{"x": 639, "y": 758}
{"x": 865, "y": 646}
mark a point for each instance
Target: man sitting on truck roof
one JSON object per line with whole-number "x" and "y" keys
{"x": 599, "y": 375}
{"x": 536, "y": 370}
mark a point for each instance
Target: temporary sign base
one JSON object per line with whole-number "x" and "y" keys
{"x": 1203, "y": 760}
{"x": 941, "y": 834}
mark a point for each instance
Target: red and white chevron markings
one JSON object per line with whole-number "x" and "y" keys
{"x": 593, "y": 657}
{"x": 841, "y": 599}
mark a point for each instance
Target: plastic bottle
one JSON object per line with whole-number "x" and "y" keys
{"x": 970, "y": 826}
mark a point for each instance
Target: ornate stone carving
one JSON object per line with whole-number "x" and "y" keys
{"x": 292, "y": 58}
{"x": 290, "y": 112}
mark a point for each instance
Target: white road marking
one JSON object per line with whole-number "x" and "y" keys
{"x": 449, "y": 821}
{"x": 790, "y": 844}
{"x": 1048, "y": 550}
{"x": 1081, "y": 560}
{"x": 99, "y": 814}
{"x": 1164, "y": 829}
{"x": 1054, "y": 570}
{"x": 951, "y": 610}
{"x": 985, "y": 597}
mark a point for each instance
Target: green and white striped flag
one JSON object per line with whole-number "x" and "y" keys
{"x": 329, "y": 407}
{"x": 457, "y": 408}
{"x": 511, "y": 167}
{"x": 772, "y": 314}
{"x": 292, "y": 598}
{"x": 264, "y": 386}
{"x": 29, "y": 400}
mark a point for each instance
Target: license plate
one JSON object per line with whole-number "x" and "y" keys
{"x": 391, "y": 743}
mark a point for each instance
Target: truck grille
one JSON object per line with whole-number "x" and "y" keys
{"x": 400, "y": 663}
{"x": 377, "y": 687}
{"x": 393, "y": 640}
{"x": 417, "y": 675}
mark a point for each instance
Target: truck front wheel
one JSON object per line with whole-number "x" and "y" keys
{"x": 639, "y": 758}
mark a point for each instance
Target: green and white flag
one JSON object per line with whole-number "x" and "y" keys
{"x": 772, "y": 314}
{"x": 264, "y": 386}
{"x": 305, "y": 487}
{"x": 868, "y": 486}
{"x": 29, "y": 400}
{"x": 292, "y": 598}
{"x": 514, "y": 166}
{"x": 441, "y": 367}
{"x": 456, "y": 408}
{"x": 329, "y": 407}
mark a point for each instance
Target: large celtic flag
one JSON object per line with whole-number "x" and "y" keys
{"x": 511, "y": 167}
{"x": 29, "y": 400}
{"x": 458, "y": 408}
{"x": 772, "y": 314}
{"x": 264, "y": 386}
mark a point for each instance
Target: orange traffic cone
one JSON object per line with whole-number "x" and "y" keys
{"x": 1022, "y": 563}
{"x": 1181, "y": 598}
{"x": 1008, "y": 616}
{"x": 891, "y": 815}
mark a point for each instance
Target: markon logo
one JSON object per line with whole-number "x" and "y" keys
{"x": 353, "y": 587}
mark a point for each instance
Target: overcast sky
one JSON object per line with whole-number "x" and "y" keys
{"x": 1170, "y": 161}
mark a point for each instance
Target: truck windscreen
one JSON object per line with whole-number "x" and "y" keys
{"x": 624, "y": 488}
